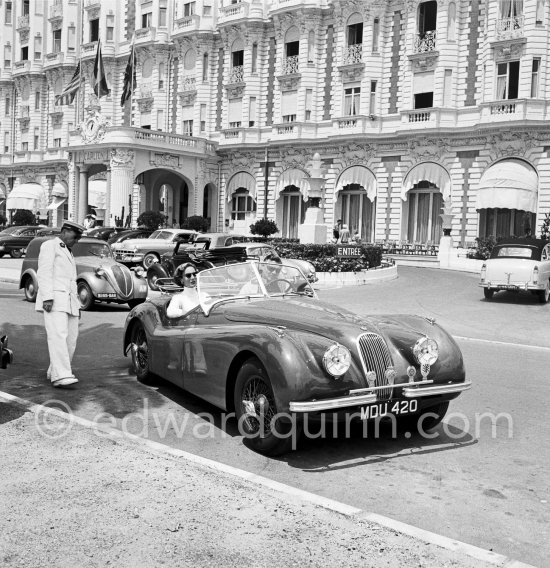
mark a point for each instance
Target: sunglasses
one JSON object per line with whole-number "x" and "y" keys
{"x": 190, "y": 274}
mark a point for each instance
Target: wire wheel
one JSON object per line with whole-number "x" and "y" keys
{"x": 264, "y": 429}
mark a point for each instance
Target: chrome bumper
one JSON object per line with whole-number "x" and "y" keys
{"x": 370, "y": 398}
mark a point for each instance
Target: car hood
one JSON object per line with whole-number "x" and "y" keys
{"x": 311, "y": 315}
{"x": 130, "y": 243}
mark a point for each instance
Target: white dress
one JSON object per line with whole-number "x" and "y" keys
{"x": 182, "y": 303}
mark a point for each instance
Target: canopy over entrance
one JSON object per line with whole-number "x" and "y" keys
{"x": 359, "y": 175}
{"x": 428, "y": 171}
{"x": 29, "y": 196}
{"x": 244, "y": 180}
{"x": 509, "y": 184}
{"x": 294, "y": 177}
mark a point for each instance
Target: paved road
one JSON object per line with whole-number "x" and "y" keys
{"x": 485, "y": 487}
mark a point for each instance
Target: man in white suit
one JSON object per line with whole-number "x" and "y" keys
{"x": 57, "y": 298}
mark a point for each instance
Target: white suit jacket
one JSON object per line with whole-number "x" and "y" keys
{"x": 57, "y": 278}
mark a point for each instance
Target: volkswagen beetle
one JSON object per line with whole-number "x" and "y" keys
{"x": 100, "y": 278}
{"x": 262, "y": 345}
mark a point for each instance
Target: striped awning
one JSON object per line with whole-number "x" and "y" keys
{"x": 29, "y": 196}
{"x": 509, "y": 184}
{"x": 294, "y": 177}
{"x": 242, "y": 180}
{"x": 359, "y": 175}
{"x": 431, "y": 172}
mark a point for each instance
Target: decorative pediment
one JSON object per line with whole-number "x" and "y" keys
{"x": 56, "y": 118}
{"x": 355, "y": 154}
{"x": 145, "y": 105}
{"x": 235, "y": 90}
{"x": 187, "y": 98}
{"x": 92, "y": 129}
{"x": 162, "y": 160}
{"x": 428, "y": 149}
{"x": 351, "y": 72}
{"x": 508, "y": 49}
{"x": 122, "y": 157}
{"x": 423, "y": 61}
{"x": 508, "y": 144}
{"x": 289, "y": 82}
{"x": 295, "y": 158}
{"x": 239, "y": 161}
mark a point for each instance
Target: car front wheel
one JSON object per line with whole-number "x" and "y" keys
{"x": 85, "y": 296}
{"x": 30, "y": 289}
{"x": 488, "y": 293}
{"x": 257, "y": 413}
{"x": 16, "y": 253}
{"x": 544, "y": 295}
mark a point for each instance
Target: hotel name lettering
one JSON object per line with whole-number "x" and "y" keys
{"x": 95, "y": 157}
{"x": 348, "y": 251}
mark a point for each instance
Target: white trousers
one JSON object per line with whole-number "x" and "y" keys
{"x": 62, "y": 333}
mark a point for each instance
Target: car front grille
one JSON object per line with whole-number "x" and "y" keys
{"x": 375, "y": 357}
{"x": 123, "y": 280}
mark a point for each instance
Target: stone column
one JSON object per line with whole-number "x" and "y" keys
{"x": 122, "y": 181}
{"x": 82, "y": 195}
{"x": 73, "y": 189}
{"x": 108, "y": 189}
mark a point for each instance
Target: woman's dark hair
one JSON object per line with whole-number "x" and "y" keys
{"x": 179, "y": 272}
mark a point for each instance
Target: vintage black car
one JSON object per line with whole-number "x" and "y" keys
{"x": 14, "y": 240}
{"x": 103, "y": 233}
{"x": 122, "y": 236}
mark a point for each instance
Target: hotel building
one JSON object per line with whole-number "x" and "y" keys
{"x": 416, "y": 108}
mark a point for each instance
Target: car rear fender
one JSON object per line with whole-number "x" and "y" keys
{"x": 157, "y": 270}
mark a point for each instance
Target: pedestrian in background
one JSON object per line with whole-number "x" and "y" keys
{"x": 336, "y": 230}
{"x": 344, "y": 235}
{"x": 57, "y": 297}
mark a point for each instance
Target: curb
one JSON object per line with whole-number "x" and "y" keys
{"x": 286, "y": 490}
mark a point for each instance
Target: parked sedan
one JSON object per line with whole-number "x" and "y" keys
{"x": 129, "y": 234}
{"x": 103, "y": 233}
{"x": 262, "y": 345}
{"x": 148, "y": 251}
{"x": 14, "y": 240}
{"x": 99, "y": 277}
{"x": 518, "y": 265}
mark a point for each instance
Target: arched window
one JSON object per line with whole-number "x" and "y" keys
{"x": 356, "y": 211}
{"x": 237, "y": 62}
{"x": 451, "y": 22}
{"x": 254, "y": 57}
{"x": 353, "y": 51}
{"x": 292, "y": 51}
{"x": 241, "y": 204}
{"x": 424, "y": 204}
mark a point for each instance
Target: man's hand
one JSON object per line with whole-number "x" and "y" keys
{"x": 47, "y": 305}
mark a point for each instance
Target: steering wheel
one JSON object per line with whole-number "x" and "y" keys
{"x": 273, "y": 287}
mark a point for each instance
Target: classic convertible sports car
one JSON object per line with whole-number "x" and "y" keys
{"x": 262, "y": 345}
{"x": 518, "y": 265}
{"x": 99, "y": 277}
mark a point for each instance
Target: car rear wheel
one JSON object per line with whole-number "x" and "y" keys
{"x": 544, "y": 295}
{"x": 149, "y": 260}
{"x": 257, "y": 413}
{"x": 30, "y": 289}
{"x": 488, "y": 293}
{"x": 16, "y": 253}
{"x": 85, "y": 296}
{"x": 139, "y": 349}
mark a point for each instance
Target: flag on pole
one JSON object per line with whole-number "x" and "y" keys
{"x": 100, "y": 82}
{"x": 129, "y": 77}
{"x": 69, "y": 92}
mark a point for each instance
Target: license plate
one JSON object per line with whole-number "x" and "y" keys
{"x": 508, "y": 287}
{"x": 396, "y": 407}
{"x": 110, "y": 295}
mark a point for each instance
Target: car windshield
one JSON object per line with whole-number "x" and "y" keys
{"x": 250, "y": 280}
{"x": 92, "y": 249}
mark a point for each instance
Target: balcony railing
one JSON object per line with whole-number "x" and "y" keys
{"x": 145, "y": 34}
{"x": 233, "y": 12}
{"x": 352, "y": 54}
{"x": 187, "y": 23}
{"x": 509, "y": 28}
{"x": 23, "y": 22}
{"x": 425, "y": 42}
{"x": 291, "y": 65}
{"x": 503, "y": 108}
{"x": 420, "y": 116}
{"x": 236, "y": 74}
{"x": 89, "y": 48}
{"x": 188, "y": 84}
{"x": 89, "y": 4}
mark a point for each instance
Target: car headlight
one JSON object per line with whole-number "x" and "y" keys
{"x": 426, "y": 351}
{"x": 337, "y": 360}
{"x": 99, "y": 271}
{"x": 140, "y": 272}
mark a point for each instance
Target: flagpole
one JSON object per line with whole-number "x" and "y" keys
{"x": 133, "y": 51}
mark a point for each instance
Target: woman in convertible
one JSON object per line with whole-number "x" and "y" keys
{"x": 188, "y": 299}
